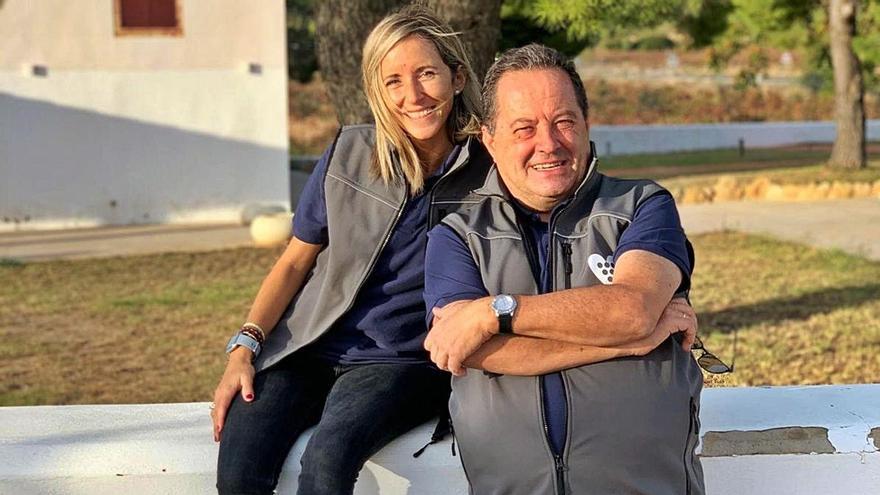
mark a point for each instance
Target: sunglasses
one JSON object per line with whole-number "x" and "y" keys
{"x": 710, "y": 362}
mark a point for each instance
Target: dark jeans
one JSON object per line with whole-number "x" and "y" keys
{"x": 358, "y": 409}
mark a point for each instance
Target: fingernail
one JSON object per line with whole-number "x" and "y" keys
{"x": 249, "y": 397}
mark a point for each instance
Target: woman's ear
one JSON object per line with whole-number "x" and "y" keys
{"x": 459, "y": 79}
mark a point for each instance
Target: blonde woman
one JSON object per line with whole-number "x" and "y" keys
{"x": 334, "y": 338}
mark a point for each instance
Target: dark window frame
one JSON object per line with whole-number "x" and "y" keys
{"x": 121, "y": 30}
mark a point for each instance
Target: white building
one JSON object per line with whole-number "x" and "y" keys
{"x": 141, "y": 111}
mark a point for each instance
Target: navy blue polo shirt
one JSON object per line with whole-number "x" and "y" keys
{"x": 386, "y": 323}
{"x": 452, "y": 275}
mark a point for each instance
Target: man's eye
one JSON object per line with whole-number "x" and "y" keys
{"x": 565, "y": 124}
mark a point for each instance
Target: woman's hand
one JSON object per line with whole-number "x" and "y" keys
{"x": 239, "y": 375}
{"x": 678, "y": 316}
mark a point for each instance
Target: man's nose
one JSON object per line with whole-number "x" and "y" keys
{"x": 546, "y": 140}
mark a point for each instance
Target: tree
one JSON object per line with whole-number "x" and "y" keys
{"x": 828, "y": 30}
{"x": 849, "y": 89}
{"x": 479, "y": 22}
{"x": 301, "y": 60}
{"x": 343, "y": 25}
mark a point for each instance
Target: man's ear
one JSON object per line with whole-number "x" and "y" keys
{"x": 488, "y": 141}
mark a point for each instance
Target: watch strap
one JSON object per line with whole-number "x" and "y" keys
{"x": 242, "y": 339}
{"x": 505, "y": 323}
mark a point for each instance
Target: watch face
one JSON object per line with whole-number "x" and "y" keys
{"x": 504, "y": 304}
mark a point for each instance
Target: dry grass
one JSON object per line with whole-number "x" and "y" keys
{"x": 152, "y": 328}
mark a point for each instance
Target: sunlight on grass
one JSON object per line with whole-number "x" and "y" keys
{"x": 152, "y": 328}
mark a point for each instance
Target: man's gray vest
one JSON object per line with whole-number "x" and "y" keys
{"x": 632, "y": 422}
{"x": 361, "y": 213}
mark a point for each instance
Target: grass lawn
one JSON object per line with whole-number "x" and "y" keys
{"x": 805, "y": 161}
{"x": 152, "y": 328}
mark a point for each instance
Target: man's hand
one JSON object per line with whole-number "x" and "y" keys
{"x": 678, "y": 316}
{"x": 458, "y": 330}
{"x": 239, "y": 375}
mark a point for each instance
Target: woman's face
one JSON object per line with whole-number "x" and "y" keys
{"x": 420, "y": 88}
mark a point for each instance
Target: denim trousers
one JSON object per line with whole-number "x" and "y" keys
{"x": 357, "y": 409}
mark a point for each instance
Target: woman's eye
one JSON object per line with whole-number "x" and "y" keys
{"x": 428, "y": 74}
{"x": 392, "y": 83}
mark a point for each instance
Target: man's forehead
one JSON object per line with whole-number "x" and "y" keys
{"x": 519, "y": 91}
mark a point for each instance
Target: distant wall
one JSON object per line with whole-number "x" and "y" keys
{"x": 98, "y": 129}
{"x": 635, "y": 139}
{"x": 763, "y": 440}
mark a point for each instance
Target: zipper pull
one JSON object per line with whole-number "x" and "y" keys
{"x": 566, "y": 256}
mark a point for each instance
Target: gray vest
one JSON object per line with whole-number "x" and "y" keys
{"x": 361, "y": 213}
{"x": 632, "y": 422}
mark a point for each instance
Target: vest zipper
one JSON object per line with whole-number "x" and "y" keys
{"x": 379, "y": 251}
{"x": 558, "y": 463}
{"x": 566, "y": 260}
{"x": 560, "y": 474}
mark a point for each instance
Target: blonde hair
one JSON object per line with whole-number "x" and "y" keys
{"x": 464, "y": 118}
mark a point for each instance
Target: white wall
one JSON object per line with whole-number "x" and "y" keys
{"x": 755, "y": 441}
{"x": 140, "y": 129}
{"x": 635, "y": 139}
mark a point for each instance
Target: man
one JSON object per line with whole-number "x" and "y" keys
{"x": 555, "y": 285}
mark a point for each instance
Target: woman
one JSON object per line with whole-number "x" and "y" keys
{"x": 338, "y": 324}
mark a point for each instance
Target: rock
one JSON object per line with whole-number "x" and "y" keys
{"x": 861, "y": 190}
{"x": 727, "y": 189}
{"x": 695, "y": 194}
{"x": 840, "y": 190}
{"x": 271, "y": 230}
{"x": 774, "y": 192}
{"x": 757, "y": 188}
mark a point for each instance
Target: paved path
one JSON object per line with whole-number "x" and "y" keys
{"x": 120, "y": 241}
{"x": 851, "y": 225}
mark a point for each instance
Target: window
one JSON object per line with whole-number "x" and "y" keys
{"x": 148, "y": 17}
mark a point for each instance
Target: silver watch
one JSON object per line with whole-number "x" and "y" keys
{"x": 504, "y": 305}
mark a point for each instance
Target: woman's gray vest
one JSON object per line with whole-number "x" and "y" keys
{"x": 361, "y": 213}
{"x": 632, "y": 422}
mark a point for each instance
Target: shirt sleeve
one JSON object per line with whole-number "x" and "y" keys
{"x": 656, "y": 228}
{"x": 310, "y": 217}
{"x": 450, "y": 272}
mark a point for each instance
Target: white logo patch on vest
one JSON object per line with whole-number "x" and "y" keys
{"x": 603, "y": 268}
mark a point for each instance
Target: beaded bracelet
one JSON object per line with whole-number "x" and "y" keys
{"x": 256, "y": 328}
{"x": 252, "y": 334}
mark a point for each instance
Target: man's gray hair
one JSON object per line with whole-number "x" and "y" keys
{"x": 529, "y": 57}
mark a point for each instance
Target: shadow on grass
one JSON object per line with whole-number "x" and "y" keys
{"x": 787, "y": 308}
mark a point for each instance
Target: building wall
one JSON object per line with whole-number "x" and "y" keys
{"x": 141, "y": 128}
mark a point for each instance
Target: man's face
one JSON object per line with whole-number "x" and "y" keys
{"x": 541, "y": 140}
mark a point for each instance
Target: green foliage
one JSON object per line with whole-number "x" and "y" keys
{"x": 594, "y": 19}
{"x": 519, "y": 28}
{"x": 788, "y": 24}
{"x": 302, "y": 61}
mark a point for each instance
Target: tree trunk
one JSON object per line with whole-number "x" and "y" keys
{"x": 341, "y": 27}
{"x": 479, "y": 22}
{"x": 849, "y": 89}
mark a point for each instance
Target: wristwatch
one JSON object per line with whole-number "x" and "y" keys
{"x": 240, "y": 339}
{"x": 504, "y": 305}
